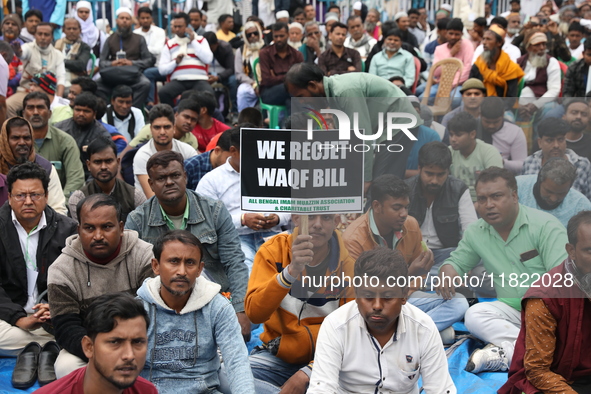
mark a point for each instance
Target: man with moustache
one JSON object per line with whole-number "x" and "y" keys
{"x": 576, "y": 114}
{"x": 552, "y": 143}
{"x": 494, "y": 68}
{"x": 393, "y": 60}
{"x": 338, "y": 59}
{"x": 542, "y": 76}
{"x": 358, "y": 38}
{"x": 243, "y": 61}
{"x": 124, "y": 49}
{"x": 314, "y": 44}
{"x": 372, "y": 24}
{"x": 275, "y": 62}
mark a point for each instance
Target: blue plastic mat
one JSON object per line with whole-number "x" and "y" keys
{"x": 466, "y": 383}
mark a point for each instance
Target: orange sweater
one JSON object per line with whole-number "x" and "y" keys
{"x": 295, "y": 320}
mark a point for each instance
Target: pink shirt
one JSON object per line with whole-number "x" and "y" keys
{"x": 465, "y": 54}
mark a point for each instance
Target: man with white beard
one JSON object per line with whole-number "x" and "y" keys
{"x": 358, "y": 38}
{"x": 314, "y": 44}
{"x": 247, "y": 94}
{"x": 542, "y": 76}
{"x": 296, "y": 35}
{"x": 513, "y": 27}
{"x": 372, "y": 24}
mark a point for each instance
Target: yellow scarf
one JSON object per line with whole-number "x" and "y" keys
{"x": 506, "y": 70}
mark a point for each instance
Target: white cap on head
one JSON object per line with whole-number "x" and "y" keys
{"x": 400, "y": 15}
{"x": 446, "y": 7}
{"x": 297, "y": 25}
{"x": 357, "y": 6}
{"x": 282, "y": 14}
{"x": 83, "y": 4}
{"x": 122, "y": 10}
{"x": 331, "y": 16}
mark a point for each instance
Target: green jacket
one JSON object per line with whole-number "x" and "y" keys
{"x": 61, "y": 150}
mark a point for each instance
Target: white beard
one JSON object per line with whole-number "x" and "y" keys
{"x": 255, "y": 46}
{"x": 538, "y": 61}
{"x": 294, "y": 44}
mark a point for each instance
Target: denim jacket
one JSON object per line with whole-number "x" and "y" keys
{"x": 210, "y": 221}
{"x": 182, "y": 347}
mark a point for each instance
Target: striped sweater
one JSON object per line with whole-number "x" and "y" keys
{"x": 195, "y": 63}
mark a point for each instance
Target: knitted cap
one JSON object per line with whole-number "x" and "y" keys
{"x": 47, "y": 82}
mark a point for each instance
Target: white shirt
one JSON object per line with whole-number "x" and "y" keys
{"x": 577, "y": 53}
{"x": 29, "y": 243}
{"x": 349, "y": 360}
{"x": 4, "y": 76}
{"x": 513, "y": 52}
{"x": 58, "y": 102}
{"x": 223, "y": 183}
{"x": 145, "y": 152}
{"x": 122, "y": 125}
{"x": 467, "y": 216}
{"x": 553, "y": 85}
{"x": 363, "y": 50}
{"x": 155, "y": 39}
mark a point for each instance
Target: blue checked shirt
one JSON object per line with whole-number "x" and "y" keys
{"x": 196, "y": 167}
{"x": 533, "y": 165}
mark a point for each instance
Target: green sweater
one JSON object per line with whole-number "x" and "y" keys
{"x": 61, "y": 150}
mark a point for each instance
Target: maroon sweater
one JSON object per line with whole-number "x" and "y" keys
{"x": 568, "y": 313}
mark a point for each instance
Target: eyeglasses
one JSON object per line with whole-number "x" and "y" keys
{"x": 248, "y": 35}
{"x": 23, "y": 196}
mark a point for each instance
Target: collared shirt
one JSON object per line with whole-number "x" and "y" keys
{"x": 196, "y": 167}
{"x": 465, "y": 55}
{"x": 349, "y": 359}
{"x": 533, "y": 164}
{"x": 270, "y": 60}
{"x": 396, "y": 235}
{"x": 29, "y": 243}
{"x": 176, "y": 222}
{"x": 533, "y": 230}
{"x": 401, "y": 64}
{"x": 155, "y": 39}
{"x": 223, "y": 183}
{"x": 123, "y": 124}
{"x": 332, "y": 64}
{"x": 573, "y": 203}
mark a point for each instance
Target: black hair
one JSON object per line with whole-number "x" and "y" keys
{"x": 300, "y": 74}
{"x": 572, "y": 228}
{"x": 101, "y": 108}
{"x": 17, "y": 122}
{"x": 211, "y": 38}
{"x": 182, "y": 15}
{"x": 480, "y": 21}
{"x": 161, "y": 111}
{"x": 235, "y": 136}
{"x": 85, "y": 83}
{"x": 34, "y": 12}
{"x": 37, "y": 96}
{"x": 298, "y": 11}
{"x": 412, "y": 11}
{"x": 224, "y": 142}
{"x": 95, "y": 201}
{"x": 86, "y": 99}
{"x": 27, "y": 170}
{"x": 463, "y": 122}
{"x": 223, "y": 18}
{"x": 7, "y": 50}
{"x": 189, "y": 104}
{"x": 103, "y": 312}
{"x": 569, "y": 102}
{"x": 389, "y": 25}
{"x": 339, "y": 24}
{"x": 455, "y": 24}
{"x": 492, "y": 108}
{"x": 122, "y": 91}
{"x": 144, "y": 10}
{"x": 330, "y": 7}
{"x": 491, "y": 174}
{"x": 587, "y": 45}
{"x": 195, "y": 10}
{"x": 394, "y": 32}
{"x": 163, "y": 159}
{"x": 251, "y": 115}
{"x": 397, "y": 78}
{"x": 382, "y": 263}
{"x": 553, "y": 127}
{"x": 435, "y": 153}
{"x": 99, "y": 144}
{"x": 206, "y": 100}
{"x": 279, "y": 26}
{"x": 388, "y": 185}
{"x": 44, "y": 24}
{"x": 183, "y": 236}
{"x": 499, "y": 20}
{"x": 442, "y": 23}
{"x": 352, "y": 17}
{"x": 576, "y": 26}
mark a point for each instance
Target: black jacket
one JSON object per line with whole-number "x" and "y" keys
{"x": 224, "y": 55}
{"x": 13, "y": 271}
{"x": 446, "y": 215}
